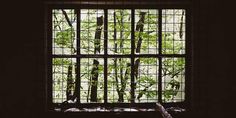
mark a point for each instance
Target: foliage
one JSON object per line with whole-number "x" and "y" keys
{"x": 119, "y": 69}
{"x": 64, "y": 38}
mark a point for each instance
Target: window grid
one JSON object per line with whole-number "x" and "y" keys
{"x": 132, "y": 56}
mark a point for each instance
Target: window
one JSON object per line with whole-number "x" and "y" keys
{"x": 112, "y": 56}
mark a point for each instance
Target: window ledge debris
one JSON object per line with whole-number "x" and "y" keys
{"x": 159, "y": 108}
{"x": 102, "y": 109}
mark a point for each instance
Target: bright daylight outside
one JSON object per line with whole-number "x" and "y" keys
{"x": 118, "y": 55}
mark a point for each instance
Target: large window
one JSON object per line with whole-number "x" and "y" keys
{"x": 116, "y": 56}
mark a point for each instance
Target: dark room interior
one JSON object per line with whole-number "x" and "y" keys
{"x": 23, "y": 74}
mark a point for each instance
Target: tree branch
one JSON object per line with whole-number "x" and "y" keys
{"x": 143, "y": 91}
{"x": 67, "y": 18}
{"x": 181, "y": 25}
{"x": 57, "y": 22}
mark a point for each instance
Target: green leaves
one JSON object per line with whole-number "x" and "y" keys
{"x": 146, "y": 79}
{"x": 65, "y": 38}
{"x": 61, "y": 61}
{"x": 173, "y": 72}
{"x": 63, "y": 78}
{"x": 119, "y": 42}
{"x": 171, "y": 89}
{"x": 173, "y": 32}
{"x": 173, "y": 67}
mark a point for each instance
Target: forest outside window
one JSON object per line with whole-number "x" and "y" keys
{"x": 117, "y": 56}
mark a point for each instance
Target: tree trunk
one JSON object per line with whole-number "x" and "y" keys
{"x": 69, "y": 88}
{"x": 121, "y": 81}
{"x": 115, "y": 60}
{"x": 139, "y": 28}
{"x": 94, "y": 72}
{"x": 121, "y": 94}
{"x": 136, "y": 68}
{"x": 94, "y": 79}
{"x": 123, "y": 85}
{"x": 75, "y": 95}
{"x": 98, "y": 33}
{"x": 181, "y": 25}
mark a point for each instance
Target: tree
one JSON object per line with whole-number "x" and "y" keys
{"x": 139, "y": 29}
{"x": 119, "y": 33}
{"x": 94, "y": 72}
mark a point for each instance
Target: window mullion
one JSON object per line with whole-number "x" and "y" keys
{"x": 160, "y": 58}
{"x": 49, "y": 46}
{"x": 132, "y": 56}
{"x": 105, "y": 57}
{"x": 78, "y": 81}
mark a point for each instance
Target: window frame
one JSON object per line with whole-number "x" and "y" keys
{"x": 49, "y": 6}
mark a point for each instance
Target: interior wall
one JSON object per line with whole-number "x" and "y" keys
{"x": 23, "y": 70}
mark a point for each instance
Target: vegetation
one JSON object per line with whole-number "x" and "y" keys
{"x": 146, "y": 69}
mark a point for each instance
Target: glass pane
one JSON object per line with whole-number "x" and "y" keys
{"x": 146, "y": 31}
{"x": 119, "y": 31}
{"x": 173, "y": 79}
{"x": 119, "y": 76}
{"x": 173, "y": 31}
{"x": 146, "y": 69}
{"x": 92, "y": 80}
{"x": 146, "y": 79}
{"x": 64, "y": 32}
{"x": 63, "y": 79}
{"x": 92, "y": 33}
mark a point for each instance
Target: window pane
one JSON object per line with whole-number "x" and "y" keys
{"x": 119, "y": 70}
{"x": 92, "y": 80}
{"x": 119, "y": 31}
{"x": 146, "y": 31}
{"x": 146, "y": 79}
{"x": 63, "y": 79}
{"x": 64, "y": 31}
{"x": 173, "y": 31}
{"x": 146, "y": 69}
{"x": 92, "y": 33}
{"x": 173, "y": 79}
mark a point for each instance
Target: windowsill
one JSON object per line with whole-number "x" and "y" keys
{"x": 114, "y": 112}
{"x": 158, "y": 111}
{"x": 99, "y": 109}
{"x": 102, "y": 109}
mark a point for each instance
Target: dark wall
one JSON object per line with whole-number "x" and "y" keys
{"x": 214, "y": 84}
{"x": 23, "y": 71}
